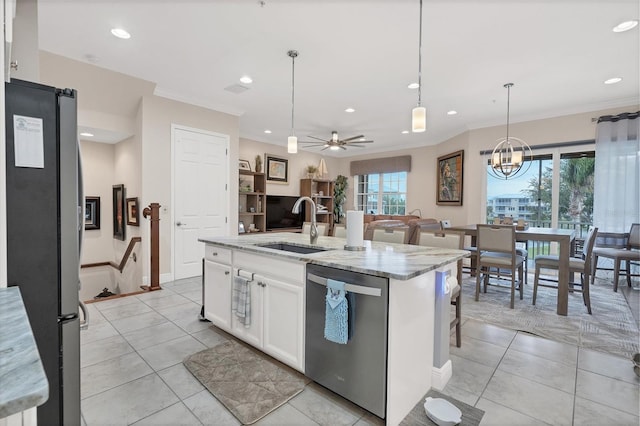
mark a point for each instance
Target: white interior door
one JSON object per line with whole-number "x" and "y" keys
{"x": 200, "y": 196}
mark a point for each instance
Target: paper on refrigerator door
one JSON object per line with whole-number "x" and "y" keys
{"x": 28, "y": 142}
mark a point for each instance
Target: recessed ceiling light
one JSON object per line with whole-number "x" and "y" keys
{"x": 613, "y": 80}
{"x": 413, "y": 86}
{"x": 349, "y": 110}
{"x": 87, "y": 134}
{"x": 246, "y": 79}
{"x": 404, "y": 132}
{"x": 268, "y": 131}
{"x": 625, "y": 26}
{"x": 120, "y": 33}
{"x": 452, "y": 112}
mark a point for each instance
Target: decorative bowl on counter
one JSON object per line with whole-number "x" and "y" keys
{"x": 442, "y": 412}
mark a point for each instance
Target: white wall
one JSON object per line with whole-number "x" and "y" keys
{"x": 24, "y": 49}
{"x": 98, "y": 176}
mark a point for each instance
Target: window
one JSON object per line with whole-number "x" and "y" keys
{"x": 556, "y": 191}
{"x": 521, "y": 197}
{"x": 382, "y": 193}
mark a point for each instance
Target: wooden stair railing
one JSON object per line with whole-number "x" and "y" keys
{"x": 123, "y": 262}
{"x": 152, "y": 212}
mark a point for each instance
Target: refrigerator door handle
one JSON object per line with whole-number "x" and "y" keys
{"x": 67, "y": 317}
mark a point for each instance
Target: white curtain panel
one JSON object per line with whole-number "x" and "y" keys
{"x": 616, "y": 203}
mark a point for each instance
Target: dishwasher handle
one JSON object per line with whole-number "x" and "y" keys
{"x": 352, "y": 288}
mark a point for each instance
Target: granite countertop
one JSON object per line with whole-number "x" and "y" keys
{"x": 24, "y": 383}
{"x": 398, "y": 261}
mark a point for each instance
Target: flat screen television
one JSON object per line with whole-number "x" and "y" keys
{"x": 279, "y": 213}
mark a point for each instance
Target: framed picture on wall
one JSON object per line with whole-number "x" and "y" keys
{"x": 277, "y": 169}
{"x": 244, "y": 165}
{"x": 119, "y": 210}
{"x": 91, "y": 213}
{"x": 133, "y": 217}
{"x": 449, "y": 180}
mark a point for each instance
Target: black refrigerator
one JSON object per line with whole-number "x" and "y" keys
{"x": 44, "y": 232}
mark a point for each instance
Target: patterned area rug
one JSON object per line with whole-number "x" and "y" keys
{"x": 249, "y": 383}
{"x": 471, "y": 416}
{"x": 611, "y": 328}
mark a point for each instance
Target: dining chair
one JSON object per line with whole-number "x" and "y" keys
{"x": 628, "y": 253}
{"x": 448, "y": 240}
{"x": 340, "y": 230}
{"x": 417, "y": 225}
{"x": 497, "y": 254}
{"x": 323, "y": 228}
{"x": 397, "y": 234}
{"x": 580, "y": 266}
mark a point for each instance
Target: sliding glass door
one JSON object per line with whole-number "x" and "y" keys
{"x": 524, "y": 197}
{"x": 555, "y": 192}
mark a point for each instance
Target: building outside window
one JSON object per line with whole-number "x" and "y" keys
{"x": 382, "y": 193}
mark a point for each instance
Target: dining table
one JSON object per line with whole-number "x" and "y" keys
{"x": 565, "y": 239}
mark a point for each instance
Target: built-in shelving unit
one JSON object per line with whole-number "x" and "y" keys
{"x": 321, "y": 191}
{"x": 252, "y": 200}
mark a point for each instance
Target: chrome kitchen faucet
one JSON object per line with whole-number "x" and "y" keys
{"x": 313, "y": 234}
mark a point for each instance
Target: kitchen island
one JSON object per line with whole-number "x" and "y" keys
{"x": 278, "y": 301}
{"x": 23, "y": 381}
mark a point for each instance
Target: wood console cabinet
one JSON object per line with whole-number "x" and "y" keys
{"x": 321, "y": 192}
{"x": 252, "y": 198}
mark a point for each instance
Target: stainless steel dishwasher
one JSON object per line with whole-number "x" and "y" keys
{"x": 358, "y": 369}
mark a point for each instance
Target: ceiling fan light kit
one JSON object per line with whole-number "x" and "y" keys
{"x": 335, "y": 143}
{"x": 419, "y": 113}
{"x": 510, "y": 154}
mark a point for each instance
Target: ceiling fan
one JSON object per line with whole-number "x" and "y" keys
{"x": 335, "y": 143}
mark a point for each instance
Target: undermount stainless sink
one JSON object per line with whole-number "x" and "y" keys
{"x": 293, "y": 248}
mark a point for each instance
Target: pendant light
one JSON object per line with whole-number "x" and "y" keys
{"x": 510, "y": 154}
{"x": 419, "y": 113}
{"x": 292, "y": 141}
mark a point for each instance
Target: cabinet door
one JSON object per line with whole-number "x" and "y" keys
{"x": 217, "y": 294}
{"x": 284, "y": 322}
{"x": 253, "y": 333}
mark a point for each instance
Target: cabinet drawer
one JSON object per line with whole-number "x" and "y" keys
{"x": 217, "y": 254}
{"x": 291, "y": 271}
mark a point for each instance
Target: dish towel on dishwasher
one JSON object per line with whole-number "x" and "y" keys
{"x": 336, "y": 318}
{"x": 241, "y": 300}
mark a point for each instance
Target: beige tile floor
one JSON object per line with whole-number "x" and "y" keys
{"x": 132, "y": 373}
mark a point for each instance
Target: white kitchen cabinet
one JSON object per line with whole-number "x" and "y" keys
{"x": 277, "y": 321}
{"x": 217, "y": 293}
{"x": 252, "y": 334}
{"x": 277, "y": 307}
{"x": 283, "y": 320}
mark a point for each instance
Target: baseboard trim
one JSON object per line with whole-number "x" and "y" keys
{"x": 440, "y": 376}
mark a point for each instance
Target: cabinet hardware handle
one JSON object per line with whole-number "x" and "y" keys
{"x": 215, "y": 253}
{"x": 226, "y": 272}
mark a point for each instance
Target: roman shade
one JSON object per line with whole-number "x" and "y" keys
{"x": 381, "y": 165}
